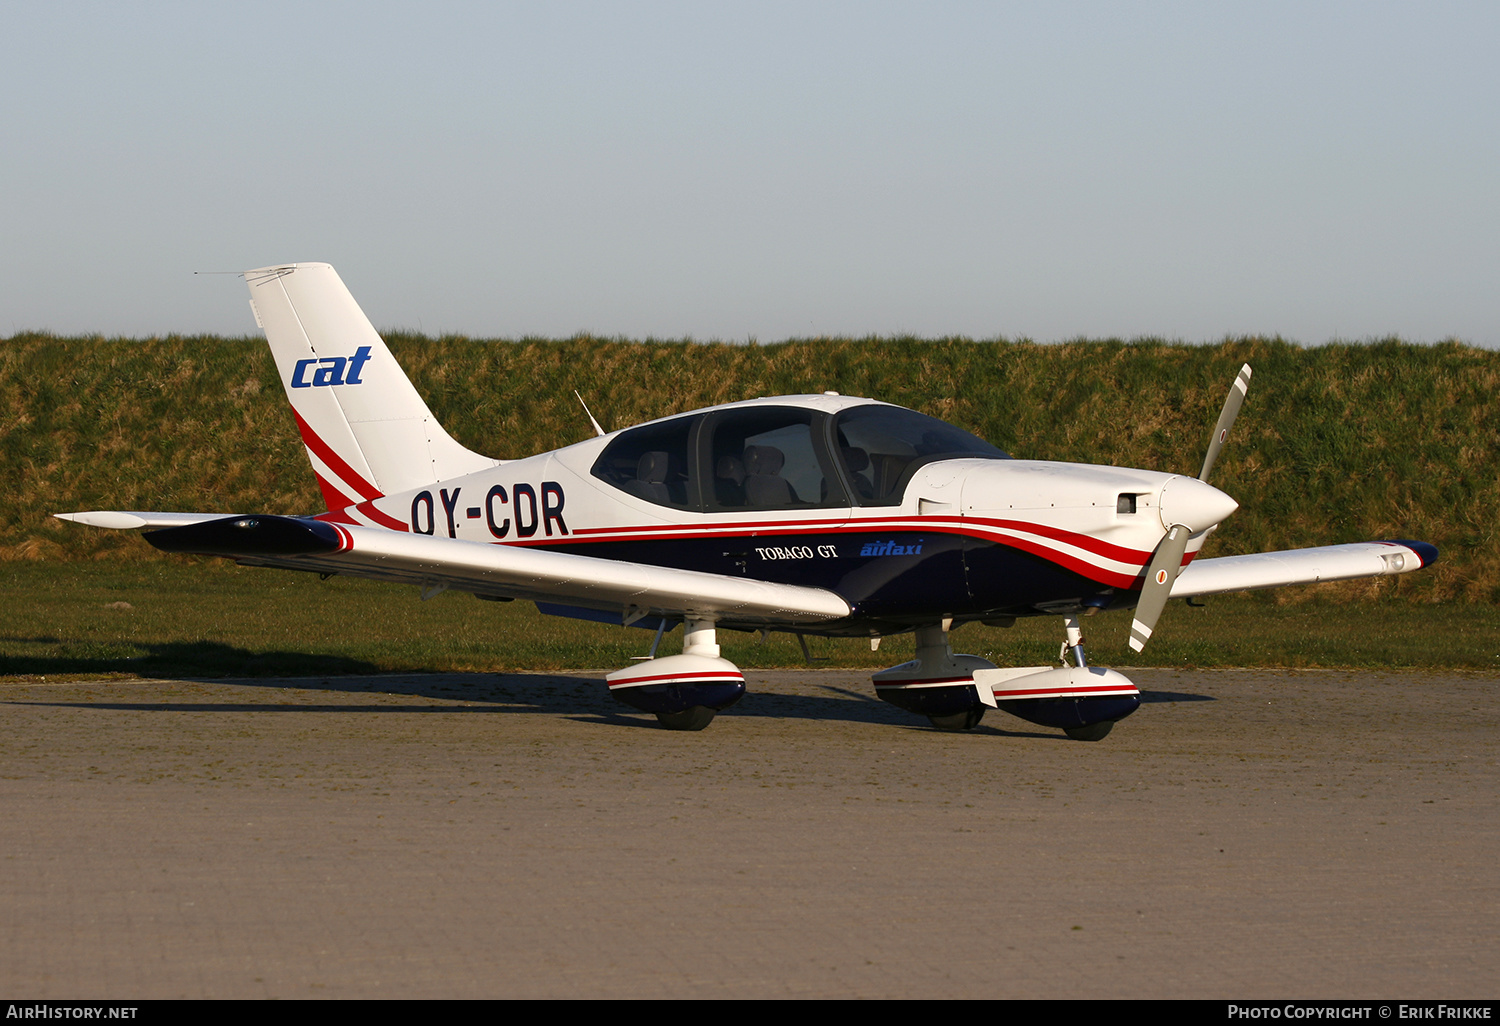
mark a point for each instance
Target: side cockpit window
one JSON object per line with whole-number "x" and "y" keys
{"x": 652, "y": 463}
{"x": 768, "y": 457}
{"x": 882, "y": 446}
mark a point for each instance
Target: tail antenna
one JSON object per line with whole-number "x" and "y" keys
{"x": 597, "y": 429}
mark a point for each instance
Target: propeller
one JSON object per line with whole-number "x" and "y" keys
{"x": 1226, "y": 420}
{"x": 1194, "y": 505}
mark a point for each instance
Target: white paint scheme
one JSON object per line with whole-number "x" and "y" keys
{"x": 383, "y": 462}
{"x": 1024, "y": 501}
{"x": 1294, "y": 566}
{"x": 1004, "y": 685}
{"x": 131, "y": 521}
{"x": 677, "y": 669}
{"x": 382, "y": 430}
{"x": 1193, "y": 504}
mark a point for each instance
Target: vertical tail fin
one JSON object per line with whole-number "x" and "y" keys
{"x": 367, "y": 431}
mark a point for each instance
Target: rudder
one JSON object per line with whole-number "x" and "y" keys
{"x": 367, "y": 431}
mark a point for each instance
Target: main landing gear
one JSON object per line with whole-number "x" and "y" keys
{"x": 954, "y": 691}
{"x": 684, "y": 691}
{"x": 937, "y": 684}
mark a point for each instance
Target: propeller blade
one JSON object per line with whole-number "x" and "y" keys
{"x": 1226, "y": 420}
{"x": 1166, "y": 562}
{"x": 1164, "y": 568}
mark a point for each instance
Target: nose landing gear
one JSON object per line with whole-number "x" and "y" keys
{"x": 953, "y": 691}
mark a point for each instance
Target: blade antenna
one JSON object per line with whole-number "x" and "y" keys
{"x": 599, "y": 431}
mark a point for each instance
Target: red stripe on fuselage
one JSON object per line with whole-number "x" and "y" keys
{"x": 880, "y": 525}
{"x": 335, "y": 462}
{"x": 332, "y": 497}
{"x": 1108, "y": 550}
{"x": 739, "y": 526}
{"x": 995, "y": 532}
{"x": 383, "y": 519}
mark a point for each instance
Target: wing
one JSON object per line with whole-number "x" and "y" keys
{"x": 1302, "y": 566}
{"x": 635, "y": 589}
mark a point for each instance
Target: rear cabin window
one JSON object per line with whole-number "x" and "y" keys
{"x": 652, "y": 463}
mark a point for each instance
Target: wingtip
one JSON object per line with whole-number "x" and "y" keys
{"x": 1426, "y": 552}
{"x": 112, "y": 519}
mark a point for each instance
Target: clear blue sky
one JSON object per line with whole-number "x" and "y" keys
{"x": 727, "y": 170}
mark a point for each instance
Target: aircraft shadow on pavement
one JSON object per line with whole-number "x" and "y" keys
{"x": 179, "y": 660}
{"x": 583, "y": 698}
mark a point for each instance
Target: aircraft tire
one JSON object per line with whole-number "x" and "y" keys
{"x": 1093, "y": 732}
{"x": 696, "y": 718}
{"x": 958, "y": 721}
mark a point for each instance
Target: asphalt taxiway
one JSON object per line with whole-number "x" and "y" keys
{"x": 1246, "y": 834}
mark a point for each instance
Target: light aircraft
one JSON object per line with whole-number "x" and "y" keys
{"x": 811, "y": 514}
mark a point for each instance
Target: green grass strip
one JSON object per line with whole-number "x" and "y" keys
{"x": 214, "y": 619}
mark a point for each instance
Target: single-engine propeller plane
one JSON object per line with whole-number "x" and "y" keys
{"x": 812, "y": 514}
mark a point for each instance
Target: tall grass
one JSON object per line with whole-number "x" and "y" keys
{"x": 1336, "y": 443}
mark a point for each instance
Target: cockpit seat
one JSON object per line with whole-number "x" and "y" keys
{"x": 651, "y": 478}
{"x": 764, "y": 486}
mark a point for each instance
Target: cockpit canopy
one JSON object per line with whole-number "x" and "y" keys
{"x": 766, "y": 457}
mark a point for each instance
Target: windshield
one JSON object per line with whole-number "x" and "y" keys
{"x": 881, "y": 446}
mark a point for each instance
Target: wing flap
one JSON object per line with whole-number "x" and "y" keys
{"x": 1301, "y": 566}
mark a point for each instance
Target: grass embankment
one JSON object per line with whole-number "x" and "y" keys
{"x": 1336, "y": 443}
{"x": 157, "y": 618}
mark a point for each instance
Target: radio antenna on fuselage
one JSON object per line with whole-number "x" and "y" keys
{"x": 597, "y": 429}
